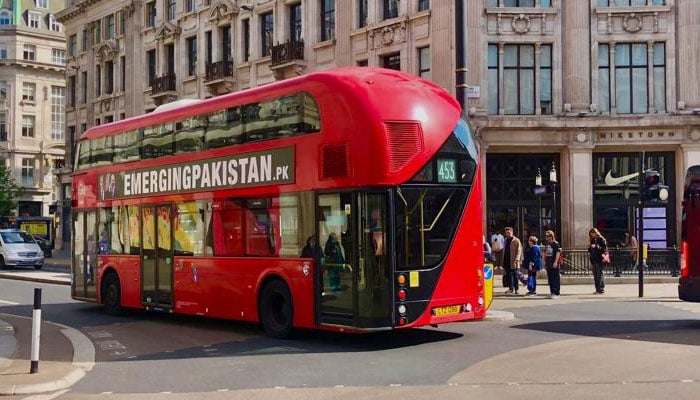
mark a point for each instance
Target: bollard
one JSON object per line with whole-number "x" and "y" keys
{"x": 36, "y": 331}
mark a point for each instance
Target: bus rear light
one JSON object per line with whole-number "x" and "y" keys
{"x": 684, "y": 259}
{"x": 402, "y": 321}
{"x": 402, "y": 294}
{"x": 481, "y": 301}
{"x": 401, "y": 279}
{"x": 467, "y": 307}
{"x": 402, "y": 310}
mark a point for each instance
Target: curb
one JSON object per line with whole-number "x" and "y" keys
{"x": 29, "y": 278}
{"x": 83, "y": 361}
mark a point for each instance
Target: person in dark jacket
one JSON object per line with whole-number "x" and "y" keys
{"x": 552, "y": 262}
{"x": 334, "y": 261}
{"x": 598, "y": 247}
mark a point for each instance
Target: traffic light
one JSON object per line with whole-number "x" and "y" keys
{"x": 652, "y": 189}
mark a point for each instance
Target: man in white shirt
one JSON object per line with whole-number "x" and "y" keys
{"x": 497, "y": 243}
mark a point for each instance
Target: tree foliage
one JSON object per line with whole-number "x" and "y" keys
{"x": 9, "y": 191}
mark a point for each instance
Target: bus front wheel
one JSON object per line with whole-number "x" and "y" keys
{"x": 276, "y": 311}
{"x": 111, "y": 294}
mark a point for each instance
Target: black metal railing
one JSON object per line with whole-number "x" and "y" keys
{"x": 165, "y": 83}
{"x": 286, "y": 52}
{"x": 219, "y": 70}
{"x": 623, "y": 262}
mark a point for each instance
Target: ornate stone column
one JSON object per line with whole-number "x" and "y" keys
{"x": 688, "y": 52}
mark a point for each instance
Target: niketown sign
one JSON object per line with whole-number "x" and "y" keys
{"x": 636, "y": 135}
{"x": 610, "y": 180}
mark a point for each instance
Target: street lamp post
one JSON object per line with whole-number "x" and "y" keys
{"x": 538, "y": 184}
{"x": 553, "y": 181}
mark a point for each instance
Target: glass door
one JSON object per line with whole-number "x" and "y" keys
{"x": 85, "y": 254}
{"x": 156, "y": 256}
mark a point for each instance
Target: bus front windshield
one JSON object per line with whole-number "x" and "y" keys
{"x": 429, "y": 207}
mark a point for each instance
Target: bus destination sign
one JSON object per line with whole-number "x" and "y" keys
{"x": 257, "y": 168}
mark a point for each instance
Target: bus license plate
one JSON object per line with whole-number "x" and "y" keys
{"x": 447, "y": 310}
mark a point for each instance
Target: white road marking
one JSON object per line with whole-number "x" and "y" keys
{"x": 11, "y": 303}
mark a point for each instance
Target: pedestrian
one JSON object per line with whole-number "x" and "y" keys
{"x": 532, "y": 260}
{"x": 512, "y": 255}
{"x": 334, "y": 261}
{"x": 497, "y": 242}
{"x": 596, "y": 251}
{"x": 632, "y": 245}
{"x": 488, "y": 253}
{"x": 313, "y": 250}
{"x": 552, "y": 262}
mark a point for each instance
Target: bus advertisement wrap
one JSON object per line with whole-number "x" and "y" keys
{"x": 243, "y": 170}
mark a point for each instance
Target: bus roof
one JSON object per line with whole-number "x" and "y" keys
{"x": 348, "y": 82}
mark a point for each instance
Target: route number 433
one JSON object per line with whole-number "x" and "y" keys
{"x": 447, "y": 170}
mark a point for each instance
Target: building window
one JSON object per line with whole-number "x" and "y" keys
{"x": 85, "y": 41}
{"x": 151, "y": 72}
{"x": 33, "y": 19}
{"x": 4, "y": 18}
{"x": 191, "y": 45}
{"x": 42, "y": 4}
{"x": 295, "y": 22}
{"x": 423, "y": 5}
{"x": 630, "y": 64}
{"x": 151, "y": 14}
{"x": 3, "y": 51}
{"x": 71, "y": 91}
{"x": 53, "y": 24}
{"x": 518, "y": 3}
{"x": 362, "y": 63}
{"x": 58, "y": 56}
{"x": 98, "y": 80}
{"x": 3, "y": 90}
{"x": 225, "y": 43}
{"x": 3, "y": 127}
{"x": 628, "y": 3}
{"x": 190, "y": 5}
{"x": 659, "y": 76}
{"x": 361, "y": 13}
{"x": 208, "y": 46}
{"x": 391, "y": 9}
{"x": 28, "y": 125}
{"x": 424, "y": 62}
{"x": 97, "y": 31}
{"x": 492, "y": 62}
{"x": 545, "y": 79}
{"x": 84, "y": 87}
{"x": 246, "y": 40}
{"x": 28, "y": 171}
{"x": 29, "y": 53}
{"x": 519, "y": 83}
{"x": 109, "y": 77}
{"x": 392, "y": 61}
{"x": 122, "y": 68}
{"x": 266, "y": 29}
{"x": 109, "y": 26}
{"x": 327, "y": 20}
{"x": 58, "y": 112}
{"x": 72, "y": 45}
{"x": 170, "y": 9}
{"x": 28, "y": 91}
{"x": 122, "y": 23}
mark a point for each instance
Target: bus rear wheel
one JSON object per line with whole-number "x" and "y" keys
{"x": 111, "y": 294}
{"x": 276, "y": 310}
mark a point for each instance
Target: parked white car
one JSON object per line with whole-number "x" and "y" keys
{"x": 18, "y": 248}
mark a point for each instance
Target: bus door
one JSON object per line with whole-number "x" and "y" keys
{"x": 156, "y": 256}
{"x": 355, "y": 285}
{"x": 85, "y": 255}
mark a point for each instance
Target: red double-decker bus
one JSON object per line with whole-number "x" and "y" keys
{"x": 345, "y": 200}
{"x": 689, "y": 281}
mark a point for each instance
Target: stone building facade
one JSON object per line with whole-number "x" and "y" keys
{"x": 581, "y": 90}
{"x": 32, "y": 91}
{"x": 573, "y": 89}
